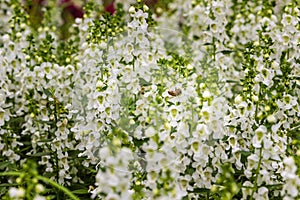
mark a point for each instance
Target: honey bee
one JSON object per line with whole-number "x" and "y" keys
{"x": 175, "y": 92}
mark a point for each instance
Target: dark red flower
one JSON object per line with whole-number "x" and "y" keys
{"x": 110, "y": 8}
{"x": 72, "y": 9}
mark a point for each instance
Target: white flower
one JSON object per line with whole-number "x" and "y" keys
{"x": 5, "y": 38}
{"x": 16, "y": 193}
{"x": 238, "y": 99}
{"x": 288, "y": 20}
{"x": 262, "y": 194}
{"x": 3, "y": 116}
{"x": 246, "y": 190}
{"x": 38, "y": 197}
{"x": 252, "y": 161}
{"x": 39, "y": 188}
{"x": 131, "y": 10}
{"x": 202, "y": 131}
{"x": 259, "y": 136}
{"x": 206, "y": 94}
{"x": 174, "y": 113}
{"x": 292, "y": 181}
{"x": 271, "y": 119}
{"x": 112, "y": 196}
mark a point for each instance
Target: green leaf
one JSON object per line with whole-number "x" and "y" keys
{"x": 140, "y": 142}
{"x": 3, "y": 165}
{"x": 45, "y": 140}
{"x": 40, "y": 154}
{"x": 143, "y": 82}
{"x": 8, "y": 185}
{"x": 73, "y": 153}
{"x": 200, "y": 190}
{"x": 44, "y": 122}
{"x": 245, "y": 153}
{"x": 80, "y": 191}
{"x": 226, "y": 52}
{"x": 47, "y": 92}
{"x": 207, "y": 43}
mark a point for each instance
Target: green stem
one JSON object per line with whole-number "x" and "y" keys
{"x": 257, "y": 173}
{"x": 256, "y": 106}
{"x": 214, "y": 49}
{"x": 56, "y": 185}
{"x": 45, "y": 180}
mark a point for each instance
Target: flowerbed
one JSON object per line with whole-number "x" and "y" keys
{"x": 175, "y": 100}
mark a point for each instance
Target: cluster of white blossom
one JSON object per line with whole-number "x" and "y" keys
{"x": 200, "y": 100}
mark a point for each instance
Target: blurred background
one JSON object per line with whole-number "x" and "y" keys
{"x": 72, "y": 9}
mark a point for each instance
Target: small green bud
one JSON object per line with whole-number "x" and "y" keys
{"x": 131, "y": 10}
